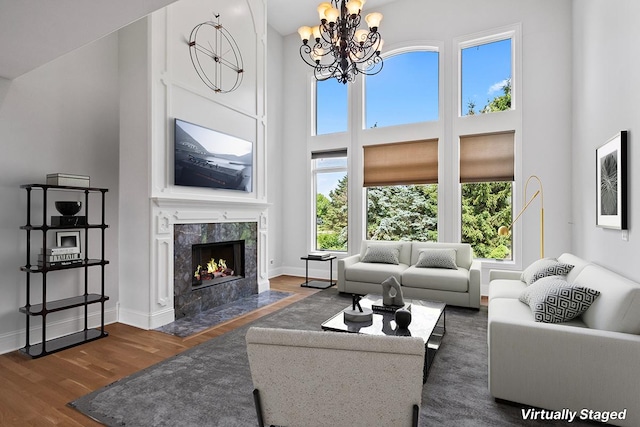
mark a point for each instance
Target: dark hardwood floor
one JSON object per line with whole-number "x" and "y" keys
{"x": 35, "y": 392}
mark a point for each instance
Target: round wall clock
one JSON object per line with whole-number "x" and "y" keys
{"x": 215, "y": 56}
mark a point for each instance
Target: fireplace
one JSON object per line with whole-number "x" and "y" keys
{"x": 228, "y": 250}
{"x": 216, "y": 263}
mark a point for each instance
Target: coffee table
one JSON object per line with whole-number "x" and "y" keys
{"x": 428, "y": 321}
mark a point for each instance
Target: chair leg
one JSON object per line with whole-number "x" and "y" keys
{"x": 256, "y": 401}
{"x": 416, "y": 415}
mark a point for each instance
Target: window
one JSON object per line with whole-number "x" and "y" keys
{"x": 402, "y": 191}
{"x": 331, "y": 207}
{"x": 405, "y": 91}
{"x": 486, "y": 77}
{"x": 331, "y": 107}
{"x": 486, "y": 178}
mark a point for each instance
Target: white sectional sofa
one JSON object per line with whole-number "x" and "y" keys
{"x": 458, "y": 285}
{"x": 590, "y": 363}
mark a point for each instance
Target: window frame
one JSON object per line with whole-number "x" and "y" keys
{"x": 426, "y": 47}
{"x": 480, "y": 40}
{"x": 315, "y": 171}
{"x": 503, "y": 121}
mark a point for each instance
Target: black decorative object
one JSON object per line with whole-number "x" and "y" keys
{"x": 68, "y": 208}
{"x": 357, "y": 313}
{"x": 68, "y": 218}
{"x": 216, "y": 56}
{"x": 403, "y": 317}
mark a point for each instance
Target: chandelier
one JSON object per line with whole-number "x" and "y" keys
{"x": 339, "y": 48}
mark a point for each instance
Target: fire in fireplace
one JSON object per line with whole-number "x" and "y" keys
{"x": 215, "y": 263}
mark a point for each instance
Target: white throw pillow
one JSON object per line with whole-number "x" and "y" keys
{"x": 437, "y": 258}
{"x": 384, "y": 254}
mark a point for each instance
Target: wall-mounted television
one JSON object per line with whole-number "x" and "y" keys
{"x": 208, "y": 158}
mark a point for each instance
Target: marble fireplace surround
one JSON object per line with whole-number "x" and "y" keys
{"x": 189, "y": 301}
{"x": 213, "y": 218}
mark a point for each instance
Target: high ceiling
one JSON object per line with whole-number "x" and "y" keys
{"x": 34, "y": 32}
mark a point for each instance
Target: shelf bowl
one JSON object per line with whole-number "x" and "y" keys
{"x": 68, "y": 208}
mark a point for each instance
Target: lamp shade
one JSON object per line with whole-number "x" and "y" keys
{"x": 332, "y": 15}
{"x": 322, "y": 9}
{"x": 373, "y": 19}
{"x": 316, "y": 32}
{"x": 354, "y": 6}
{"x": 305, "y": 33}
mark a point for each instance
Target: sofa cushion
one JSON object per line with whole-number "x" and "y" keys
{"x": 436, "y": 278}
{"x": 370, "y": 272}
{"x": 553, "y": 300}
{"x": 437, "y": 258}
{"x": 515, "y": 312}
{"x": 618, "y": 307}
{"x": 506, "y": 288}
{"x": 385, "y": 254}
{"x": 536, "y": 267}
{"x": 578, "y": 265}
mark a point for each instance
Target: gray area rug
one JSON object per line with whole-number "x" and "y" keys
{"x": 210, "y": 385}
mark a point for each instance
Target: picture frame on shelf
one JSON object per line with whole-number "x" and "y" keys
{"x": 611, "y": 183}
{"x": 68, "y": 239}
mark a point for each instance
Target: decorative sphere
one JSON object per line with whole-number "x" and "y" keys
{"x": 403, "y": 318}
{"x": 503, "y": 231}
{"x": 68, "y": 208}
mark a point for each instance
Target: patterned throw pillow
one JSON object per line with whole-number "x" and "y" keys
{"x": 535, "y": 267}
{"x": 384, "y": 254}
{"x": 558, "y": 269}
{"x": 553, "y": 300}
{"x": 437, "y": 258}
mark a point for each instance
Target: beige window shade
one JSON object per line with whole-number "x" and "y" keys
{"x": 401, "y": 163}
{"x": 487, "y": 157}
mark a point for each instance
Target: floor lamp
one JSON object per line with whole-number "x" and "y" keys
{"x": 504, "y": 230}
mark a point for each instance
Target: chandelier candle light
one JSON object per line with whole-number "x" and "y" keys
{"x": 337, "y": 47}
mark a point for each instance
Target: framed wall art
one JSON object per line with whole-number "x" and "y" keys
{"x": 611, "y": 178}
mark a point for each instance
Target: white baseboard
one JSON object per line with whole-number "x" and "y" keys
{"x": 145, "y": 320}
{"x": 15, "y": 340}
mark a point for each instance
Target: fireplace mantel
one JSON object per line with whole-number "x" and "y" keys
{"x": 167, "y": 212}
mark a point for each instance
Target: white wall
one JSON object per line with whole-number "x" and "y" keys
{"x": 605, "y": 101}
{"x": 61, "y": 117}
{"x": 275, "y": 117}
{"x": 545, "y": 103}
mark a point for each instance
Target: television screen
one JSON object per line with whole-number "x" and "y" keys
{"x": 207, "y": 158}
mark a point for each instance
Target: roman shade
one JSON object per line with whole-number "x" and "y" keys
{"x": 329, "y": 154}
{"x": 401, "y": 163}
{"x": 487, "y": 157}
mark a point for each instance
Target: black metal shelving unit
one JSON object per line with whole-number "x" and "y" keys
{"x": 42, "y": 309}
